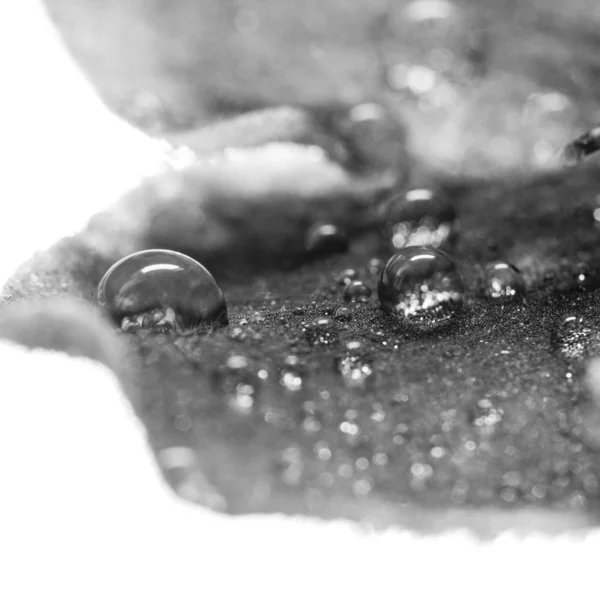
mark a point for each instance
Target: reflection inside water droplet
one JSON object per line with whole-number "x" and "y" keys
{"x": 325, "y": 239}
{"x": 503, "y": 282}
{"x": 424, "y": 287}
{"x": 357, "y": 291}
{"x": 162, "y": 291}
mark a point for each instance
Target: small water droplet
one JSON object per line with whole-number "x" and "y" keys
{"x": 357, "y": 291}
{"x": 424, "y": 287}
{"x": 326, "y": 239}
{"x": 343, "y": 313}
{"x": 420, "y": 217}
{"x": 503, "y": 282}
{"x": 163, "y": 291}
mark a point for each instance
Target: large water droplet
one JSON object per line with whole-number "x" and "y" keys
{"x": 357, "y": 291}
{"x": 503, "y": 282}
{"x": 424, "y": 287}
{"x": 420, "y": 217}
{"x": 325, "y": 239}
{"x": 161, "y": 290}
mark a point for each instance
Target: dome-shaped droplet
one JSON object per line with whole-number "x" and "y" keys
{"x": 343, "y": 314}
{"x": 357, "y": 291}
{"x": 161, "y": 290}
{"x": 419, "y": 217}
{"x": 503, "y": 282}
{"x": 424, "y": 287}
{"x": 326, "y": 239}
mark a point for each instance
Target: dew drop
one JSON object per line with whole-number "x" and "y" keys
{"x": 424, "y": 287}
{"x": 326, "y": 239}
{"x": 343, "y": 313}
{"x": 357, "y": 291}
{"x": 419, "y": 217}
{"x": 503, "y": 282}
{"x": 161, "y": 290}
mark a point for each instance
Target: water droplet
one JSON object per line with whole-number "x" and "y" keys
{"x": 343, "y": 313}
{"x": 325, "y": 239}
{"x": 424, "y": 287}
{"x": 321, "y": 332}
{"x": 421, "y": 217}
{"x": 357, "y": 291}
{"x": 347, "y": 276}
{"x": 503, "y": 282}
{"x": 575, "y": 338}
{"x": 161, "y": 290}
